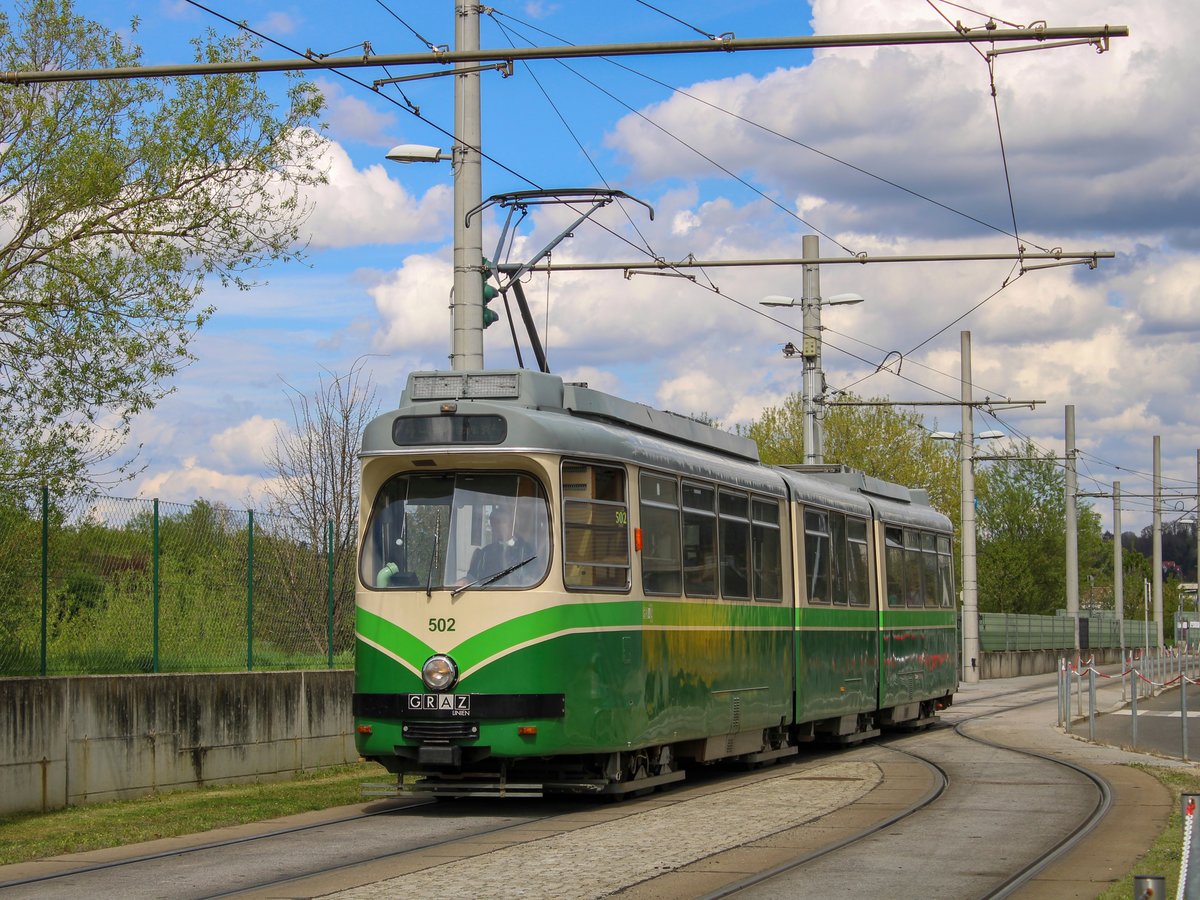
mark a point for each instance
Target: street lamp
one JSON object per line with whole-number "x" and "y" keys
{"x": 467, "y": 342}
{"x": 810, "y": 349}
{"x": 413, "y": 153}
{"x": 970, "y": 587}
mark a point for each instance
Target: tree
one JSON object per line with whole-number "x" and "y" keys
{"x": 1021, "y": 553}
{"x": 1178, "y": 546}
{"x": 118, "y": 200}
{"x": 315, "y": 465}
{"x": 882, "y": 441}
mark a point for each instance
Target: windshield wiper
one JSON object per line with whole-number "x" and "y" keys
{"x": 437, "y": 546}
{"x": 496, "y": 576}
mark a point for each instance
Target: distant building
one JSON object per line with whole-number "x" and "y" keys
{"x": 1187, "y": 595}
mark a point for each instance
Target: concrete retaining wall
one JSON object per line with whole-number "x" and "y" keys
{"x": 67, "y": 741}
{"x": 1011, "y": 663}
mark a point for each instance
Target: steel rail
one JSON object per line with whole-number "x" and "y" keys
{"x": 941, "y": 782}
{"x": 1070, "y": 841}
{"x": 1010, "y": 884}
{"x": 210, "y": 845}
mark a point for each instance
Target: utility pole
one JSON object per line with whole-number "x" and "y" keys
{"x": 466, "y": 350}
{"x": 810, "y": 299}
{"x": 1156, "y": 564}
{"x": 1072, "y": 502}
{"x": 1118, "y": 567}
{"x": 970, "y": 588}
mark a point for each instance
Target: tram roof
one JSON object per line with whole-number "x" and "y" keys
{"x": 650, "y": 437}
{"x": 539, "y": 390}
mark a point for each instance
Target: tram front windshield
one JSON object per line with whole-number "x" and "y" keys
{"x": 477, "y": 531}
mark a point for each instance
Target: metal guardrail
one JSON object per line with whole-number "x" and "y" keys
{"x": 1020, "y": 631}
{"x": 1145, "y": 675}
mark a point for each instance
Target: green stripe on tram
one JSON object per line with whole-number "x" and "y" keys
{"x": 383, "y": 633}
{"x": 610, "y": 615}
{"x": 837, "y": 617}
{"x": 916, "y": 618}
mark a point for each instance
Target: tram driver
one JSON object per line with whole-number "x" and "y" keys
{"x": 507, "y": 547}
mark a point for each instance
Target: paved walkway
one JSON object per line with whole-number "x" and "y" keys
{"x": 1159, "y": 727}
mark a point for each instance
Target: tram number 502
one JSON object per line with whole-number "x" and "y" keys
{"x": 441, "y": 624}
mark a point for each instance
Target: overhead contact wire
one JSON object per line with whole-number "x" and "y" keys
{"x": 408, "y": 109}
{"x": 681, "y": 141}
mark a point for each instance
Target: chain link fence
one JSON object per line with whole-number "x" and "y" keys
{"x": 114, "y": 586}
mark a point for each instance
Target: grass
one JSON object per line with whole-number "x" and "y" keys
{"x": 29, "y": 836}
{"x": 1163, "y": 857}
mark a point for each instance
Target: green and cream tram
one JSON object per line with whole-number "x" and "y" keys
{"x": 562, "y": 591}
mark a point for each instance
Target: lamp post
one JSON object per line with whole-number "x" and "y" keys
{"x": 467, "y": 341}
{"x": 810, "y": 347}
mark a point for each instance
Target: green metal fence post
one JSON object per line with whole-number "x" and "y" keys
{"x": 45, "y": 568}
{"x": 250, "y": 593}
{"x": 154, "y": 584}
{"x": 329, "y": 544}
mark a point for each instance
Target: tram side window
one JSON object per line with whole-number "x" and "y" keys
{"x": 595, "y": 527}
{"x": 857, "y": 581}
{"x": 893, "y": 539}
{"x": 837, "y": 559}
{"x": 662, "y": 561}
{"x": 766, "y": 539}
{"x": 699, "y": 541}
{"x": 913, "y": 592}
{"x": 734, "y": 542}
{"x": 929, "y": 566}
{"x": 816, "y": 555}
{"x": 945, "y": 573}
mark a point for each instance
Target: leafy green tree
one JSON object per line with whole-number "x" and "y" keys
{"x": 1022, "y": 536}
{"x": 883, "y": 441}
{"x": 118, "y": 200}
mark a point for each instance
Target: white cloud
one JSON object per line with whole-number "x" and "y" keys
{"x": 352, "y": 117}
{"x": 685, "y": 221}
{"x": 244, "y": 446}
{"x": 414, "y": 304}
{"x": 192, "y": 481}
{"x": 365, "y": 206}
{"x": 923, "y": 117}
{"x": 277, "y": 22}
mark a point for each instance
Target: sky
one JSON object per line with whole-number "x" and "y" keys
{"x": 884, "y": 151}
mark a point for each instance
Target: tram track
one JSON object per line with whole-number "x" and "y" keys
{"x": 1070, "y": 841}
{"x": 941, "y": 783}
{"x": 136, "y": 875}
{"x": 490, "y": 856}
{"x": 779, "y": 880}
{"x": 197, "y": 848}
{"x": 66, "y": 882}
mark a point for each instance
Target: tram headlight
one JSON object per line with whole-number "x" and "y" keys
{"x": 439, "y": 673}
